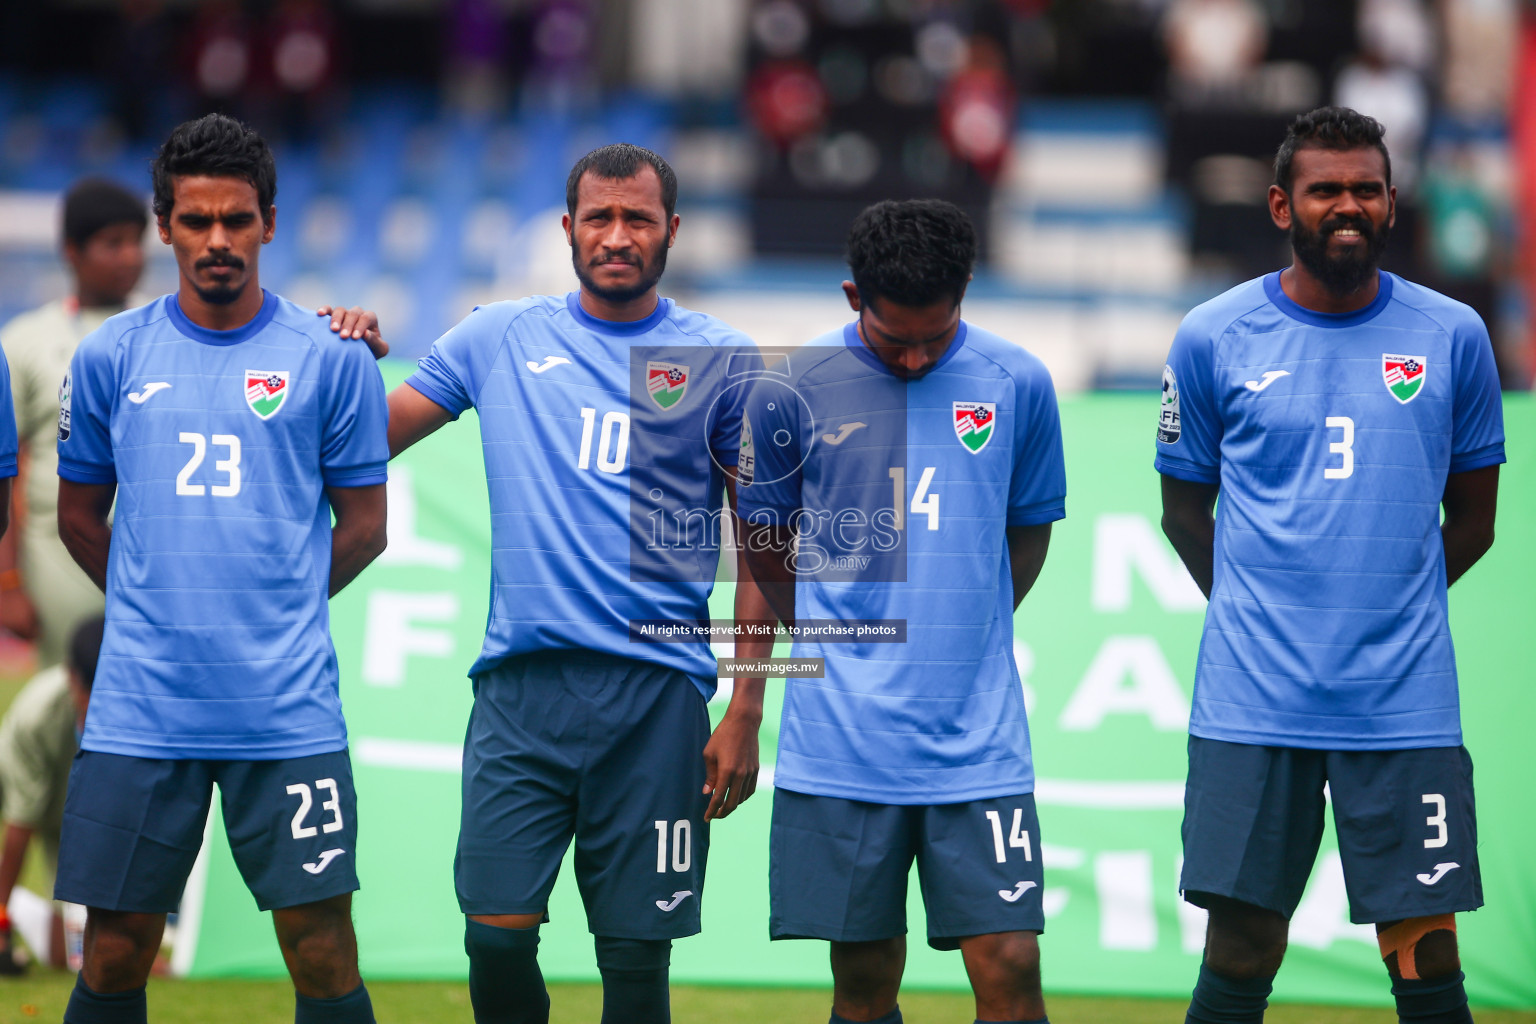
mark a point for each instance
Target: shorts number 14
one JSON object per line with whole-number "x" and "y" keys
{"x": 1017, "y": 837}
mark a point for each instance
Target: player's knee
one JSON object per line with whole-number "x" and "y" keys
{"x": 1014, "y": 956}
{"x": 319, "y": 945}
{"x": 865, "y": 971}
{"x": 1420, "y": 947}
{"x": 120, "y": 949}
{"x": 635, "y": 956}
{"x": 1244, "y": 941}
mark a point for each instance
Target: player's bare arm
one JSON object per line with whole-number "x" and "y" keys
{"x": 1470, "y": 502}
{"x": 1189, "y": 521}
{"x": 17, "y": 612}
{"x": 412, "y": 416}
{"x": 83, "y": 525}
{"x": 766, "y": 551}
{"x": 357, "y": 322}
{"x": 731, "y": 755}
{"x": 1027, "y": 547}
{"x": 5, "y": 504}
{"x": 359, "y": 535}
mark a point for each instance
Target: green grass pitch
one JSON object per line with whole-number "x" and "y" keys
{"x": 42, "y": 995}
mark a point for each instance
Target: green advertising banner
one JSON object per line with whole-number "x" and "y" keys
{"x": 1106, "y": 647}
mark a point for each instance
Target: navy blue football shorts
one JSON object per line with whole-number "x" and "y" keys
{"x": 133, "y": 826}
{"x": 838, "y": 869}
{"x": 604, "y": 749}
{"x": 1406, "y": 822}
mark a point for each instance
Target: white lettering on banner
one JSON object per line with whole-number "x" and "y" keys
{"x": 1123, "y": 880}
{"x": 392, "y": 633}
{"x": 1024, "y": 659}
{"x": 406, "y": 546}
{"x": 1192, "y": 919}
{"x": 1153, "y": 690}
{"x": 1053, "y": 899}
{"x": 1323, "y": 916}
{"x": 1124, "y": 544}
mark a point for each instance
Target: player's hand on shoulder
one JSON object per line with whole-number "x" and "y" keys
{"x": 359, "y": 323}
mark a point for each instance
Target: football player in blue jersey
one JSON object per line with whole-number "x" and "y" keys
{"x": 905, "y": 473}
{"x": 605, "y": 415}
{"x": 229, "y": 425}
{"x": 1335, "y": 409}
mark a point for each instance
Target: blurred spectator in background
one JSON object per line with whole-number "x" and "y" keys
{"x": 1481, "y": 37}
{"x": 301, "y": 49}
{"x": 561, "y": 75}
{"x": 219, "y": 56}
{"x": 1214, "y": 46}
{"x": 138, "y": 56}
{"x": 43, "y": 594}
{"x": 477, "y": 56}
{"x": 1386, "y": 80}
{"x": 38, "y": 738}
{"x": 1395, "y": 95}
{"x": 976, "y": 108}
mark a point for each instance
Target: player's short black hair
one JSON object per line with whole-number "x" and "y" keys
{"x": 913, "y": 252}
{"x": 218, "y": 146}
{"x": 95, "y": 203}
{"x": 1329, "y": 128}
{"x": 619, "y": 161}
{"x": 85, "y": 648}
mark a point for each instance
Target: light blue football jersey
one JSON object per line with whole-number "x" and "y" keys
{"x": 1331, "y": 437}
{"x": 221, "y": 444}
{"x": 606, "y": 445}
{"x": 972, "y": 447}
{"x": 9, "y": 445}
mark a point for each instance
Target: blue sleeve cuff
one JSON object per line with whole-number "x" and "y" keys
{"x": 355, "y": 476}
{"x": 1492, "y": 455}
{"x": 1179, "y": 469}
{"x": 727, "y": 458}
{"x": 7, "y": 465}
{"x": 86, "y": 473}
{"x": 435, "y": 393}
{"x": 1035, "y": 515}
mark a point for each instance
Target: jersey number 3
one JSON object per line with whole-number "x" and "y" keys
{"x": 1344, "y": 448}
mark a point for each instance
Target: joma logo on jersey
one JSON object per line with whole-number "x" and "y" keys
{"x": 973, "y": 424}
{"x": 266, "y": 391}
{"x": 666, "y": 383}
{"x": 1403, "y": 375}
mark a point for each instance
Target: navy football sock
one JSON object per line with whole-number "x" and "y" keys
{"x": 505, "y": 983}
{"x": 88, "y": 1007}
{"x": 894, "y": 1017}
{"x": 635, "y": 980}
{"x": 1221, "y": 1000}
{"x": 353, "y": 1008}
{"x": 1433, "y": 1000}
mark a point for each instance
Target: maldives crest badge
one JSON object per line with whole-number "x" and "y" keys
{"x": 1403, "y": 376}
{"x": 666, "y": 383}
{"x": 266, "y": 391}
{"x": 974, "y": 423}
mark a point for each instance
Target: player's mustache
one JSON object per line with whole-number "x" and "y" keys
{"x": 234, "y": 262}
{"x": 617, "y": 257}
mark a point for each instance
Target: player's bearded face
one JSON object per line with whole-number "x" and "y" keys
{"x": 1341, "y": 270}
{"x": 648, "y": 269}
